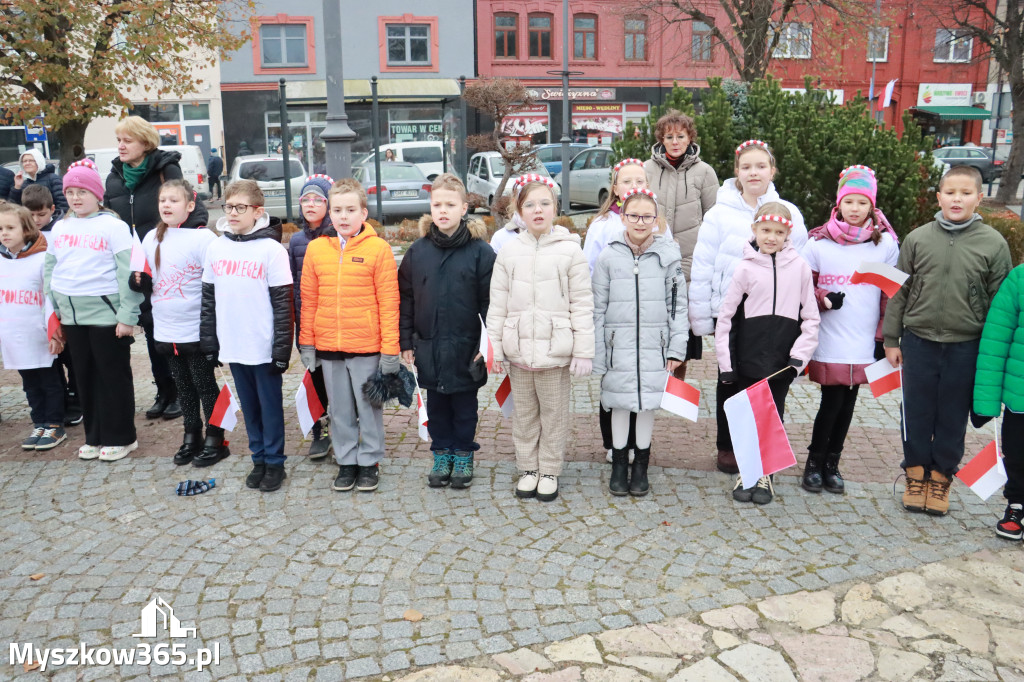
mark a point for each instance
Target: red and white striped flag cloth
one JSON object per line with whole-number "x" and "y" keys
{"x": 225, "y": 409}
{"x": 884, "y": 276}
{"x": 422, "y": 410}
{"x": 758, "y": 437}
{"x": 680, "y": 398}
{"x": 138, "y": 262}
{"x": 504, "y": 397}
{"x": 985, "y": 474}
{"x": 52, "y": 323}
{"x": 486, "y": 349}
{"x": 883, "y": 377}
{"x": 307, "y": 404}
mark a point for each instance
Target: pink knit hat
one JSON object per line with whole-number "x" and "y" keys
{"x": 83, "y": 174}
{"x": 857, "y": 180}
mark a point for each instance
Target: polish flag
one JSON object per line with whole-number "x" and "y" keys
{"x": 887, "y": 97}
{"x": 758, "y": 437}
{"x": 985, "y": 474}
{"x": 308, "y": 404}
{"x": 883, "y": 377}
{"x": 884, "y": 276}
{"x": 680, "y": 398}
{"x": 486, "y": 349}
{"x": 138, "y": 261}
{"x": 504, "y": 397}
{"x": 422, "y": 408}
{"x": 224, "y": 410}
{"x": 52, "y": 323}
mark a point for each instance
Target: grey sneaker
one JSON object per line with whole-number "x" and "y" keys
{"x": 321, "y": 447}
{"x": 764, "y": 491}
{"x": 740, "y": 494}
{"x": 53, "y": 435}
{"x": 33, "y": 438}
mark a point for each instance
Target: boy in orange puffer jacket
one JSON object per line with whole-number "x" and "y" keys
{"x": 349, "y": 326}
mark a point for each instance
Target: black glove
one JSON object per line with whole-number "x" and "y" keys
{"x": 879, "y": 351}
{"x": 836, "y": 299}
{"x": 212, "y": 359}
{"x": 278, "y": 367}
{"x": 796, "y": 364}
{"x": 727, "y": 377}
{"x": 977, "y": 421}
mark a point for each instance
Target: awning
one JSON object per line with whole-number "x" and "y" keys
{"x": 417, "y": 88}
{"x": 957, "y": 113}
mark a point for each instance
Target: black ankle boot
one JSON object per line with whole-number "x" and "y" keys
{"x": 191, "y": 445}
{"x": 833, "y": 480}
{"x": 165, "y": 394}
{"x": 618, "y": 485}
{"x": 811, "y": 481}
{"x": 214, "y": 448}
{"x": 638, "y": 486}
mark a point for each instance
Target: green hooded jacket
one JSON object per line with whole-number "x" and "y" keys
{"x": 999, "y": 378}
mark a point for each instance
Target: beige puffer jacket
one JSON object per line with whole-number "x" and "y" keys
{"x": 684, "y": 195}
{"x": 541, "y": 313}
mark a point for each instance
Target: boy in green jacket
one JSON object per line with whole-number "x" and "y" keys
{"x": 999, "y": 381}
{"x": 932, "y": 326}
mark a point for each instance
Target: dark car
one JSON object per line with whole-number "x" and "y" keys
{"x": 979, "y": 157}
{"x": 551, "y": 155}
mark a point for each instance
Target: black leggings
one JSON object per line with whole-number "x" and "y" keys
{"x": 103, "y": 370}
{"x": 833, "y": 420}
{"x": 1013, "y": 456}
{"x": 194, "y": 379}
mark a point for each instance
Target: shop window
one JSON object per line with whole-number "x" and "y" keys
{"x": 636, "y": 38}
{"x": 505, "y": 35}
{"x": 878, "y": 45}
{"x": 794, "y": 41}
{"x": 952, "y": 46}
{"x": 540, "y": 36}
{"x": 408, "y": 45}
{"x": 284, "y": 44}
{"x": 700, "y": 43}
{"x": 584, "y": 36}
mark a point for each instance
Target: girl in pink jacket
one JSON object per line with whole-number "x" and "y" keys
{"x": 768, "y": 320}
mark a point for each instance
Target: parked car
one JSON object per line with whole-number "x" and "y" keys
{"x": 486, "y": 170}
{"x": 428, "y": 156}
{"x": 193, "y": 164}
{"x": 590, "y": 176}
{"x": 979, "y": 157}
{"x": 268, "y": 172}
{"x": 404, "y": 190}
{"x": 551, "y": 155}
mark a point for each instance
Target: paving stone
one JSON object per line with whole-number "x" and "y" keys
{"x": 906, "y": 590}
{"x": 826, "y": 658}
{"x": 452, "y": 673}
{"x": 807, "y": 610}
{"x": 704, "y": 670}
{"x": 582, "y": 649}
{"x": 635, "y": 640}
{"x": 656, "y": 665}
{"x": 731, "y": 618}
{"x": 895, "y": 665}
{"x": 725, "y": 640}
{"x": 1008, "y": 648}
{"x": 906, "y": 626}
{"x": 571, "y": 674}
{"x": 756, "y": 663}
{"x": 613, "y": 673}
{"x": 522, "y": 661}
{"x": 965, "y": 630}
{"x": 961, "y": 667}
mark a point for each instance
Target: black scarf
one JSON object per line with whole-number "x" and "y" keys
{"x": 460, "y": 237}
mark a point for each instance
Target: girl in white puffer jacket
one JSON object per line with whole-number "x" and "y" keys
{"x": 723, "y": 234}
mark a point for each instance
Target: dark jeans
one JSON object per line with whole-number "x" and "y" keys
{"x": 103, "y": 370}
{"x": 451, "y": 420}
{"x": 158, "y": 363}
{"x": 832, "y": 422}
{"x": 193, "y": 377}
{"x": 1013, "y": 456}
{"x": 259, "y": 394}
{"x": 44, "y": 388}
{"x": 938, "y": 389}
{"x": 215, "y": 182}
{"x": 605, "y": 419}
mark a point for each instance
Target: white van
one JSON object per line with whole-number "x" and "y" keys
{"x": 193, "y": 165}
{"x": 426, "y": 155}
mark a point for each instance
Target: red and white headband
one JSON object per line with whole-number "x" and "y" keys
{"x": 84, "y": 163}
{"x": 627, "y": 162}
{"x": 640, "y": 190}
{"x": 753, "y": 143}
{"x": 320, "y": 176}
{"x": 769, "y": 218}
{"x": 524, "y": 180}
{"x": 857, "y": 167}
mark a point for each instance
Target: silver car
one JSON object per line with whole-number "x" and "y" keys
{"x": 404, "y": 190}
{"x": 590, "y": 176}
{"x": 268, "y": 172}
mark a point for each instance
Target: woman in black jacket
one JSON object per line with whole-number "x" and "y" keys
{"x": 133, "y": 191}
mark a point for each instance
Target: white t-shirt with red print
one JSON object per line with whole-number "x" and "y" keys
{"x": 23, "y": 313}
{"x": 84, "y": 249}
{"x": 177, "y": 281}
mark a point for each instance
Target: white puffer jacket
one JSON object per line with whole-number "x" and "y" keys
{"x": 724, "y": 232}
{"x": 541, "y": 313}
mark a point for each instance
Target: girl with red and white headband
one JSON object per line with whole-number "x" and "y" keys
{"x": 768, "y": 323}
{"x": 720, "y": 246}
{"x": 515, "y": 223}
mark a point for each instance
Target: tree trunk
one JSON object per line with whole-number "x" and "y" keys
{"x": 71, "y": 136}
{"x": 1014, "y": 167}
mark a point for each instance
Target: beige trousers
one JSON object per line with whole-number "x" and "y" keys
{"x": 540, "y": 425}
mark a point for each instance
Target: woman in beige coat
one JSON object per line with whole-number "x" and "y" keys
{"x": 541, "y": 323}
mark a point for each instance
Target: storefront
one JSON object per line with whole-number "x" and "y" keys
{"x": 179, "y": 122}
{"x": 602, "y": 122}
{"x": 945, "y": 111}
{"x": 529, "y": 124}
{"x": 593, "y": 122}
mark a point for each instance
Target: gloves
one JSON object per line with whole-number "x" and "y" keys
{"x": 727, "y": 377}
{"x": 278, "y": 367}
{"x": 977, "y": 420}
{"x": 796, "y": 364}
{"x": 308, "y": 356}
{"x": 212, "y": 359}
{"x": 581, "y": 367}
{"x": 836, "y": 299}
{"x": 389, "y": 364}
{"x": 879, "y": 351}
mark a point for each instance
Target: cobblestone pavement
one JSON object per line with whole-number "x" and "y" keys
{"x": 308, "y": 583}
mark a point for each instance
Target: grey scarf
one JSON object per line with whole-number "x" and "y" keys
{"x": 955, "y": 227}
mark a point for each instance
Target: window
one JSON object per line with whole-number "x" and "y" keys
{"x": 700, "y": 44}
{"x": 283, "y": 45}
{"x": 408, "y": 45}
{"x": 636, "y": 38}
{"x": 505, "y": 36}
{"x": 794, "y": 41}
{"x": 540, "y": 36}
{"x": 584, "y": 36}
{"x": 952, "y": 46}
{"x": 878, "y": 45}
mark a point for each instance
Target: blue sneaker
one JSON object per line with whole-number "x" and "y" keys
{"x": 462, "y": 469}
{"x": 441, "y": 474}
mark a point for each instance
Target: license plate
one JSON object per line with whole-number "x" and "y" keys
{"x": 405, "y": 194}
{"x": 273, "y": 193}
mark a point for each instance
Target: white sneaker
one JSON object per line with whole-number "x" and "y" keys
{"x": 88, "y": 452}
{"x": 527, "y": 486}
{"x": 112, "y": 453}
{"x": 547, "y": 488}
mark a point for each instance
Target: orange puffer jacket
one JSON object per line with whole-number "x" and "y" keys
{"x": 352, "y": 305}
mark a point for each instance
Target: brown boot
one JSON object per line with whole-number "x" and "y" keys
{"x": 937, "y": 502}
{"x": 727, "y": 462}
{"x": 914, "y": 496}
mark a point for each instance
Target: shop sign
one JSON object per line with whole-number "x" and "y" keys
{"x": 604, "y": 118}
{"x": 574, "y": 93}
{"x": 526, "y": 122}
{"x": 944, "y": 95}
{"x": 417, "y": 129}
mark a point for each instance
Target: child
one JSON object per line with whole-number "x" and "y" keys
{"x": 768, "y": 322}
{"x": 246, "y": 321}
{"x": 851, "y": 316}
{"x": 444, "y": 282}
{"x": 999, "y": 380}
{"x": 176, "y": 250}
{"x": 313, "y": 223}
{"x": 932, "y": 326}
{"x": 514, "y": 225}
{"x": 721, "y": 243}
{"x": 87, "y": 271}
{"x": 541, "y": 322}
{"x": 349, "y": 319}
{"x": 23, "y": 327}
{"x": 639, "y": 295}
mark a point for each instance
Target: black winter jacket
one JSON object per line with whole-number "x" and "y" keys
{"x": 444, "y": 293}
{"x": 280, "y": 303}
{"x": 6, "y": 182}
{"x": 297, "y": 246}
{"x": 49, "y": 179}
{"x": 140, "y": 208}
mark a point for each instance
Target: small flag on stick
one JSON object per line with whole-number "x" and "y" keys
{"x": 138, "y": 261}
{"x": 52, "y": 323}
{"x": 680, "y": 398}
{"x": 504, "y": 397}
{"x": 884, "y": 276}
{"x": 758, "y": 437}
{"x": 486, "y": 349}
{"x": 985, "y": 474}
{"x": 883, "y": 377}
{"x": 422, "y": 409}
{"x": 225, "y": 409}
{"x": 307, "y": 404}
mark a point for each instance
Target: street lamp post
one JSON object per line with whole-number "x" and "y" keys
{"x": 566, "y": 119}
{"x": 286, "y": 164}
{"x": 337, "y": 135}
{"x": 375, "y": 112}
